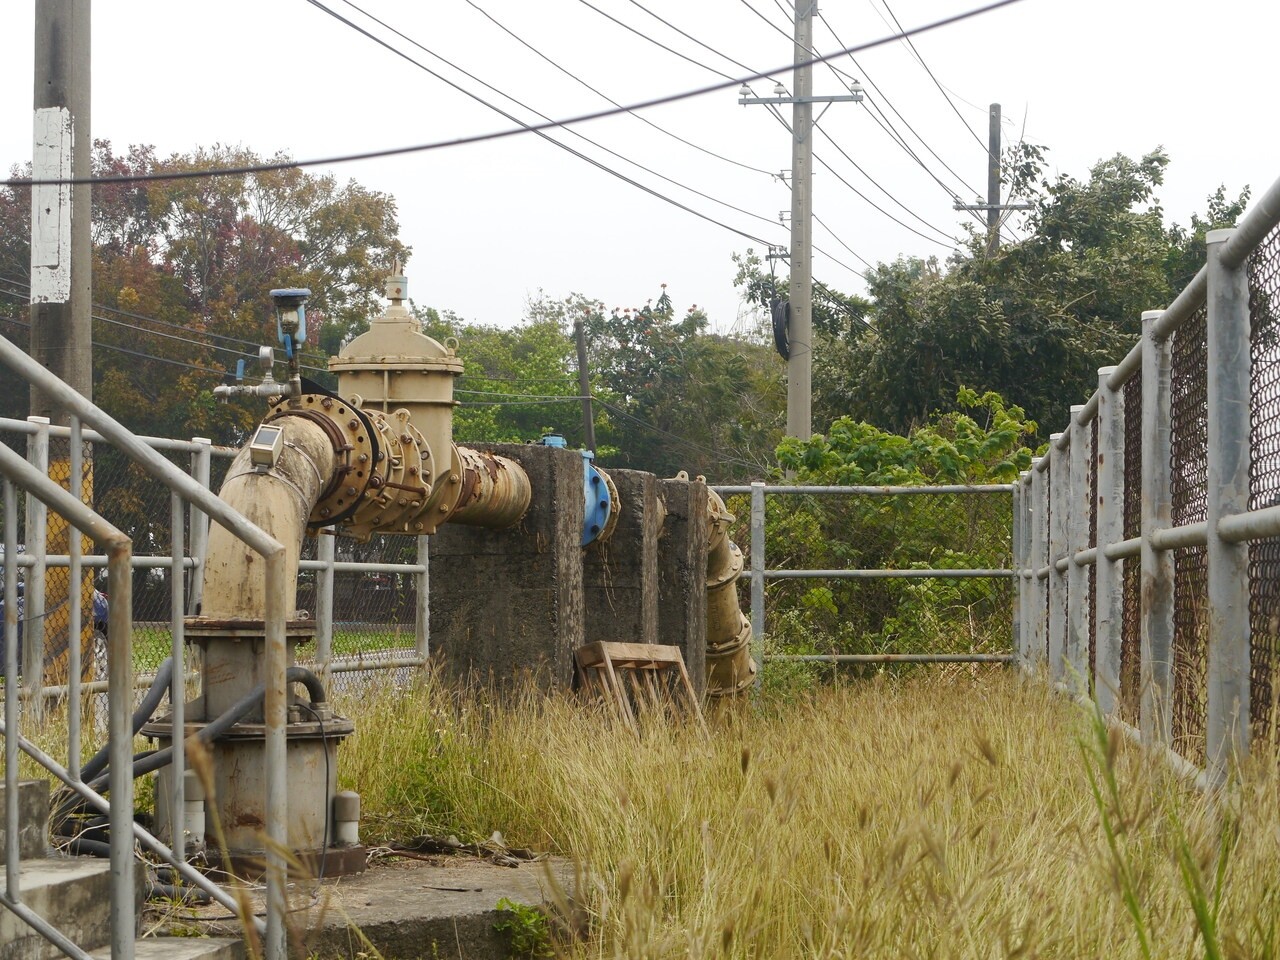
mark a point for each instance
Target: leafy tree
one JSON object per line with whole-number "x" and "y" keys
{"x": 1035, "y": 320}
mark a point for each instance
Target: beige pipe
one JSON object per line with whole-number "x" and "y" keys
{"x": 279, "y": 502}
{"x": 495, "y": 490}
{"x": 730, "y": 669}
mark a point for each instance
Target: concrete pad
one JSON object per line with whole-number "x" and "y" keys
{"x": 181, "y": 948}
{"x": 71, "y": 894}
{"x": 443, "y": 907}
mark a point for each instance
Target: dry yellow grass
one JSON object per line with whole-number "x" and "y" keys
{"x": 937, "y": 816}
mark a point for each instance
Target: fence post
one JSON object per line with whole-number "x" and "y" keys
{"x": 326, "y": 549}
{"x": 1156, "y": 611}
{"x": 1059, "y": 480}
{"x": 1078, "y": 540}
{"x": 1018, "y": 556}
{"x": 422, "y": 615}
{"x": 1039, "y": 554}
{"x": 1227, "y": 468}
{"x": 1026, "y": 581}
{"x": 1109, "y": 588}
{"x": 33, "y": 605}
{"x": 198, "y": 539}
{"x": 757, "y": 578}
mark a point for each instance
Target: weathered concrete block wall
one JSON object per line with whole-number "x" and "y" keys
{"x": 504, "y": 602}
{"x": 620, "y": 576}
{"x": 682, "y": 575}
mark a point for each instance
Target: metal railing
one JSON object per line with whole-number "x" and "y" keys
{"x": 985, "y": 509}
{"x": 1145, "y": 546}
{"x": 341, "y": 647}
{"x": 120, "y": 667}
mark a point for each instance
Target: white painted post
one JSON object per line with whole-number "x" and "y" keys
{"x": 1078, "y": 539}
{"x": 1059, "y": 481}
{"x": 33, "y": 605}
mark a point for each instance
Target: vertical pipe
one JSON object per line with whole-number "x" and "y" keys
{"x": 198, "y": 538}
{"x": 1059, "y": 482}
{"x": 1227, "y": 471}
{"x": 1016, "y": 539}
{"x": 74, "y": 609}
{"x": 1078, "y": 539}
{"x": 326, "y": 549}
{"x": 178, "y": 690}
{"x": 274, "y": 755}
{"x": 1156, "y": 610}
{"x": 422, "y": 616}
{"x": 120, "y": 738}
{"x": 37, "y": 548}
{"x": 1109, "y": 588}
{"x": 11, "y": 889}
{"x": 757, "y": 577}
{"x": 1039, "y": 552}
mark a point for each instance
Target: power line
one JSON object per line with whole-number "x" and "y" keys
{"x": 133, "y": 353}
{"x": 573, "y": 76}
{"x": 541, "y": 133}
{"x": 247, "y": 169}
{"x": 942, "y": 90}
{"x": 673, "y": 436}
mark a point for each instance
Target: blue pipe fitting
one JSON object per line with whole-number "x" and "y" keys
{"x": 597, "y": 500}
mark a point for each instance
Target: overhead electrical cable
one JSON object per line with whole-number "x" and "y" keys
{"x": 541, "y": 133}
{"x": 573, "y": 76}
{"x": 942, "y": 90}
{"x": 132, "y": 353}
{"x": 246, "y": 169}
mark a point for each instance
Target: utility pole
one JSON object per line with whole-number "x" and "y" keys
{"x": 61, "y": 287}
{"x": 61, "y": 335}
{"x": 800, "y": 331}
{"x": 993, "y": 207}
{"x": 584, "y": 387}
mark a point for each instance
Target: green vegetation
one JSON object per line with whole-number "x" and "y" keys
{"x": 944, "y": 814}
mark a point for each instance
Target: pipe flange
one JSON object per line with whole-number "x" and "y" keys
{"x": 356, "y": 451}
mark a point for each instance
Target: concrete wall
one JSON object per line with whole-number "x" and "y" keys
{"x": 504, "y": 602}
{"x": 682, "y": 575}
{"x": 620, "y": 576}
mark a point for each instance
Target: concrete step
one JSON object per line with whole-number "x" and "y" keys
{"x": 181, "y": 948}
{"x": 73, "y": 895}
{"x": 33, "y": 820}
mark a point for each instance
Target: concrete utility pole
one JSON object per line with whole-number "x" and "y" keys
{"x": 61, "y": 290}
{"x": 61, "y": 334}
{"x": 800, "y": 332}
{"x": 993, "y": 206}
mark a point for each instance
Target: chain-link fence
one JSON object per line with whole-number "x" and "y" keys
{"x": 1264, "y": 481}
{"x": 1183, "y": 461}
{"x": 862, "y": 572}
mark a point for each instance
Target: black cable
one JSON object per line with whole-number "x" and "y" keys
{"x": 536, "y": 129}
{"x": 985, "y": 148}
{"x": 573, "y": 76}
{"x": 253, "y": 168}
{"x": 666, "y": 433}
{"x": 830, "y": 169}
{"x": 644, "y": 36}
{"x": 132, "y": 353}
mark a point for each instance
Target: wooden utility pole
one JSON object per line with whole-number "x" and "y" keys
{"x": 584, "y": 387}
{"x": 993, "y": 207}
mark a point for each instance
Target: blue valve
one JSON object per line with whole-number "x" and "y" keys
{"x": 240, "y": 370}
{"x": 597, "y": 501}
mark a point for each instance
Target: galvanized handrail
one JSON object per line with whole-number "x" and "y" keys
{"x": 274, "y": 572}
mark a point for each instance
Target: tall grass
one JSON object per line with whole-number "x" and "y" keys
{"x": 940, "y": 815}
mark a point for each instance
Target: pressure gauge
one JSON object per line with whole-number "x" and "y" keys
{"x": 264, "y": 448}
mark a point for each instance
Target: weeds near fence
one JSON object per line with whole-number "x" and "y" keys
{"x": 940, "y": 814}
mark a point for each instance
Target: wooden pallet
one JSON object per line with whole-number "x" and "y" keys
{"x": 633, "y": 679}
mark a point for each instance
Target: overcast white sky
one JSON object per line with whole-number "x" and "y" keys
{"x": 492, "y": 224}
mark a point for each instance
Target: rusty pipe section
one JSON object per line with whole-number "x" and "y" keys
{"x": 730, "y": 669}
{"x": 495, "y": 490}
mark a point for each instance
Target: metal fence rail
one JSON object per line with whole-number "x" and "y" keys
{"x": 917, "y": 562}
{"x": 1182, "y": 509}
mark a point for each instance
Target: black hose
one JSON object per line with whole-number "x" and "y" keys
{"x": 167, "y": 891}
{"x": 218, "y": 728}
{"x": 159, "y": 686}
